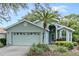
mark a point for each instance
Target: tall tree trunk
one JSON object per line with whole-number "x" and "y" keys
{"x": 44, "y": 25}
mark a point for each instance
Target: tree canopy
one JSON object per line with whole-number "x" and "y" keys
{"x": 40, "y": 14}
{"x": 7, "y": 8}
{"x": 72, "y": 21}
{"x": 72, "y": 16}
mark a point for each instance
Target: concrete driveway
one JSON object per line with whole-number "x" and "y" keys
{"x": 14, "y": 50}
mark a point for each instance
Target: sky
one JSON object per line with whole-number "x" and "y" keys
{"x": 63, "y": 8}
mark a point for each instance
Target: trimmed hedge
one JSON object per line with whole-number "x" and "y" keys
{"x": 70, "y": 45}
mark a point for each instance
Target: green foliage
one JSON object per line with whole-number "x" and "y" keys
{"x": 3, "y": 41}
{"x": 60, "y": 49}
{"x": 1, "y": 45}
{"x": 7, "y": 8}
{"x": 35, "y": 51}
{"x": 72, "y": 21}
{"x": 76, "y": 38}
{"x": 46, "y": 15}
{"x": 60, "y": 39}
{"x": 44, "y": 47}
{"x": 38, "y": 49}
{"x": 72, "y": 16}
{"x": 70, "y": 45}
{"x": 75, "y": 43}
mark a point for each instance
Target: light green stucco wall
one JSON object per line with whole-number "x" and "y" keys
{"x": 28, "y": 28}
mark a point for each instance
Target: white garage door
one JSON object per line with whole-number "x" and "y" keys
{"x": 25, "y": 38}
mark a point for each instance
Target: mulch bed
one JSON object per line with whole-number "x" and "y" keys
{"x": 50, "y": 53}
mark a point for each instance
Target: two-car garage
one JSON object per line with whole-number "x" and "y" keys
{"x": 25, "y": 38}
{"x": 25, "y": 33}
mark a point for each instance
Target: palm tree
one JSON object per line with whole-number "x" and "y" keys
{"x": 46, "y": 15}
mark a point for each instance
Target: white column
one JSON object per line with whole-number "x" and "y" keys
{"x": 67, "y": 35}
{"x": 46, "y": 37}
{"x": 41, "y": 38}
{"x": 70, "y": 35}
{"x": 56, "y": 33}
{"x": 60, "y": 34}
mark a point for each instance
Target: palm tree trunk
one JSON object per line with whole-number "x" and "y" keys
{"x": 43, "y": 35}
{"x": 44, "y": 25}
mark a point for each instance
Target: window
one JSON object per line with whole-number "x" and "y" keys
{"x": 34, "y": 33}
{"x": 31, "y": 33}
{"x": 21, "y": 33}
{"x": 26, "y": 33}
{"x": 14, "y": 33}
{"x": 38, "y": 33}
{"x": 17, "y": 33}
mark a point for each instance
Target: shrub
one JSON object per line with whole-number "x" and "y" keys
{"x": 76, "y": 38}
{"x": 3, "y": 40}
{"x": 56, "y": 49}
{"x": 35, "y": 51}
{"x": 61, "y": 39}
{"x": 70, "y": 45}
{"x": 75, "y": 43}
{"x": 38, "y": 49}
{"x": 60, "y": 49}
{"x": 43, "y": 46}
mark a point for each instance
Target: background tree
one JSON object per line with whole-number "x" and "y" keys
{"x": 7, "y": 8}
{"x": 72, "y": 16}
{"x": 72, "y": 21}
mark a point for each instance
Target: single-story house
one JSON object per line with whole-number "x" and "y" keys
{"x": 2, "y": 33}
{"x": 27, "y": 33}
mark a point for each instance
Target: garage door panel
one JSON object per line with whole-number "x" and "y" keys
{"x": 27, "y": 38}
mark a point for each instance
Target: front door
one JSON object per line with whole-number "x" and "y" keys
{"x": 52, "y": 33}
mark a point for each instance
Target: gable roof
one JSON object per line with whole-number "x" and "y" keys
{"x": 36, "y": 21}
{"x": 25, "y": 21}
{"x": 67, "y": 29}
{"x": 61, "y": 26}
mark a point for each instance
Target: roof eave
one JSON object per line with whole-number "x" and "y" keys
{"x": 23, "y": 21}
